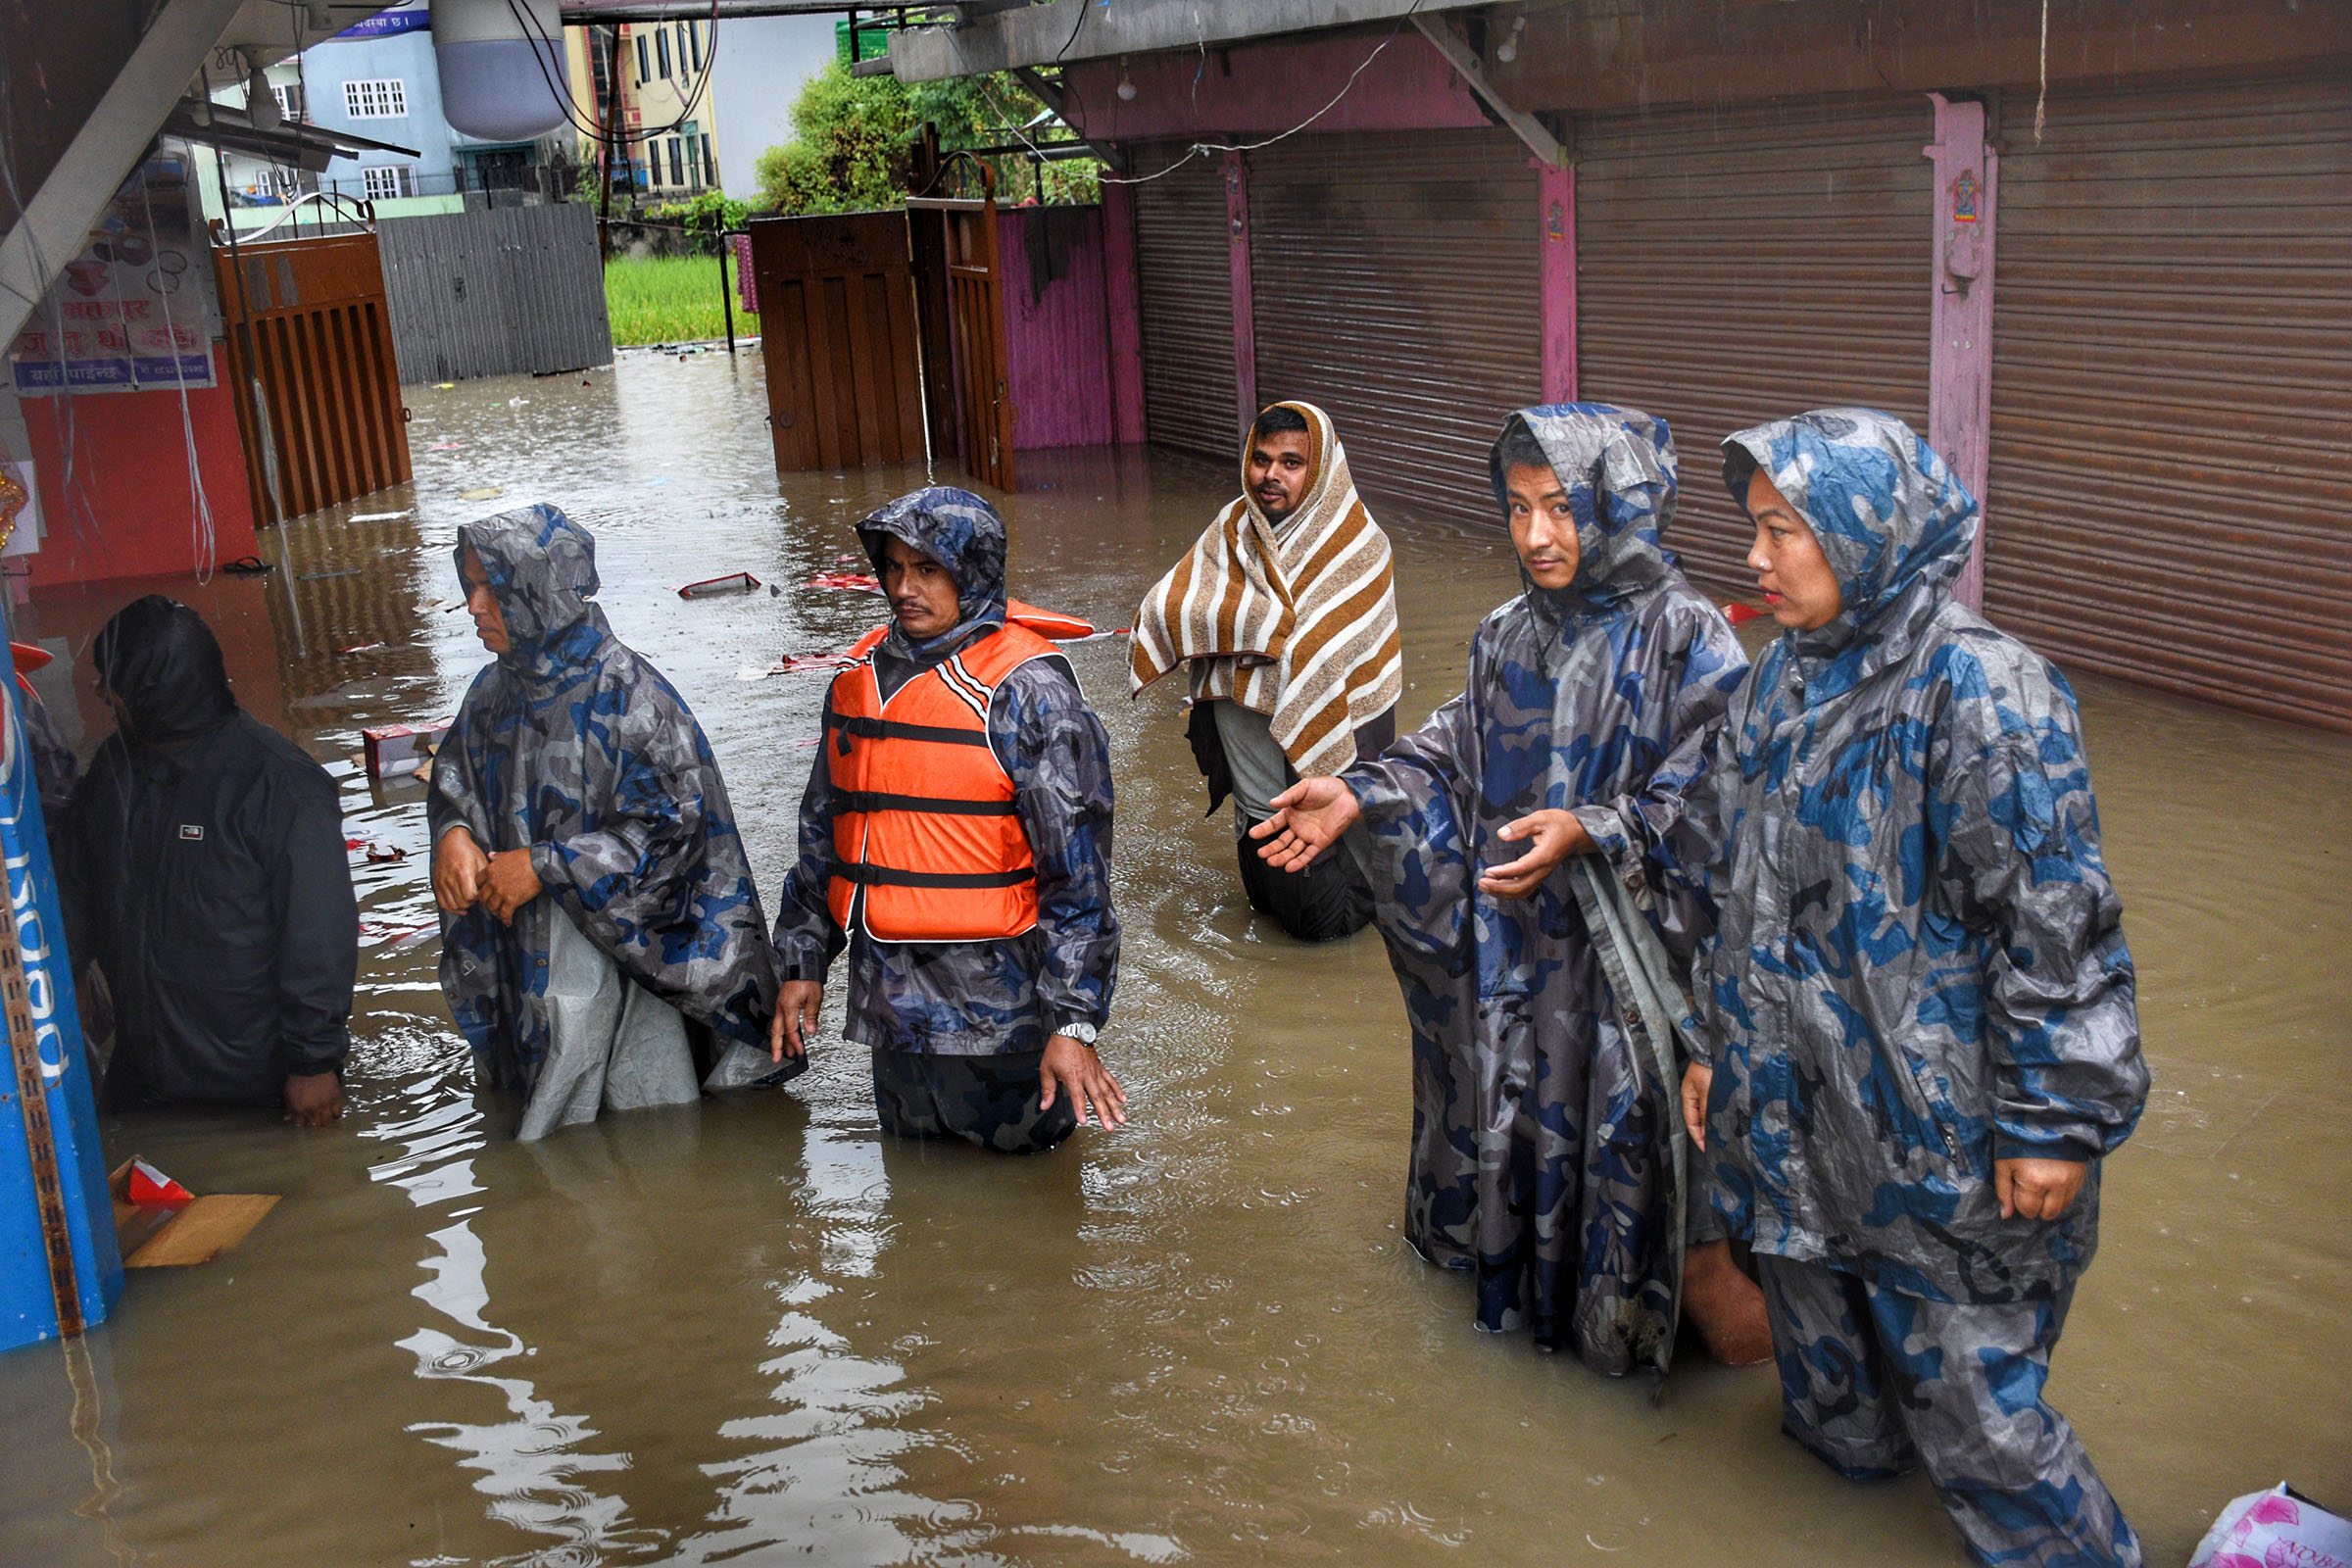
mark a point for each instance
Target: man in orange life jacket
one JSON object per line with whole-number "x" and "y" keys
{"x": 956, "y": 838}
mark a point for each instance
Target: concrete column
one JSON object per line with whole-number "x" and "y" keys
{"x": 1556, "y": 189}
{"x": 1123, "y": 308}
{"x": 1960, "y": 357}
{"x": 1245, "y": 325}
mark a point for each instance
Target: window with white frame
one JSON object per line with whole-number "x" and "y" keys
{"x": 291, "y": 105}
{"x": 379, "y": 98}
{"x": 383, "y": 181}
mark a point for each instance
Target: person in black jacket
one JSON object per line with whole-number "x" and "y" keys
{"x": 211, "y": 884}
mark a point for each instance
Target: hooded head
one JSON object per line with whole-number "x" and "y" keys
{"x": 1618, "y": 468}
{"x": 162, "y": 666}
{"x": 959, "y": 530}
{"x": 542, "y": 567}
{"x": 1893, "y": 522}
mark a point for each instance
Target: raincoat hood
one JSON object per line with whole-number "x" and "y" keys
{"x": 1619, "y": 468}
{"x": 160, "y": 658}
{"x": 959, "y": 530}
{"x": 542, "y": 566}
{"x": 1893, "y": 523}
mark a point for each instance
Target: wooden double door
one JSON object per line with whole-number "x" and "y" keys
{"x": 883, "y": 335}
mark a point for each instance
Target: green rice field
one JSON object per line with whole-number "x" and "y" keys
{"x": 669, "y": 299}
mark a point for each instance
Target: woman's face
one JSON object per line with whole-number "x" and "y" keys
{"x": 1800, "y": 588}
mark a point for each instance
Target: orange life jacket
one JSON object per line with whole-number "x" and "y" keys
{"x": 926, "y": 845}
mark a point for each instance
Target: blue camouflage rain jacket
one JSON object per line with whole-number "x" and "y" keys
{"x": 572, "y": 745}
{"x": 1542, "y": 1126}
{"x": 977, "y": 998}
{"x": 1919, "y": 966}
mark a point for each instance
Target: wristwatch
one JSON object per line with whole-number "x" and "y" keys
{"x": 1083, "y": 1032}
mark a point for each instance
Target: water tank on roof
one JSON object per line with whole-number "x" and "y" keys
{"x": 502, "y": 66}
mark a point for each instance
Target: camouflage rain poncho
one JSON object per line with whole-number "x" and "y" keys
{"x": 572, "y": 745}
{"x": 1542, "y": 1124}
{"x": 1919, "y": 965}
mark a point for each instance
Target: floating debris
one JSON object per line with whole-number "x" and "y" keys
{"x": 853, "y": 581}
{"x": 488, "y": 492}
{"x": 734, "y": 582}
{"x": 380, "y": 517}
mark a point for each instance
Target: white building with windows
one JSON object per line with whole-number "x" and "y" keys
{"x": 376, "y": 79}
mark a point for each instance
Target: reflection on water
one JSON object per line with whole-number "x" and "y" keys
{"x": 750, "y": 1331}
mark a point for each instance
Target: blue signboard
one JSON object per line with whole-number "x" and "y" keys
{"x": 409, "y": 15}
{"x": 67, "y": 1168}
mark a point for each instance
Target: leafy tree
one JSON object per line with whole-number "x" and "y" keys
{"x": 853, "y": 141}
{"x": 698, "y": 217}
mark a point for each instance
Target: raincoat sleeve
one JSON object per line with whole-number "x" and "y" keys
{"x": 1637, "y": 832}
{"x": 806, "y": 938}
{"x": 2022, "y": 862}
{"x": 1418, "y": 854}
{"x": 1050, "y": 742}
{"x": 319, "y": 946}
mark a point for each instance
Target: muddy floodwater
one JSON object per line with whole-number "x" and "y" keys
{"x": 753, "y": 1331}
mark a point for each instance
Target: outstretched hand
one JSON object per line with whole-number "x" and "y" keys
{"x": 1072, "y": 1068}
{"x": 1552, "y": 836}
{"x": 1308, "y": 818}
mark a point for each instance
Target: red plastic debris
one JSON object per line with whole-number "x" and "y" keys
{"x": 734, "y": 582}
{"x": 1740, "y": 614}
{"x": 855, "y": 582}
{"x": 149, "y": 1186}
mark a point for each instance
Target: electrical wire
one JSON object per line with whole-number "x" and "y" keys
{"x": 201, "y": 532}
{"x": 1200, "y": 149}
{"x": 577, "y": 118}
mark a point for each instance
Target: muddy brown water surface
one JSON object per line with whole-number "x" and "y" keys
{"x": 753, "y": 1331}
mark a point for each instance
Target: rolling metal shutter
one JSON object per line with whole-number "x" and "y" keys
{"x": 1739, "y": 264}
{"x": 1393, "y": 279}
{"x": 2171, "y": 390}
{"x": 1184, "y": 280}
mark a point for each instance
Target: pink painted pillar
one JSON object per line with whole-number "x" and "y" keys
{"x": 1960, "y": 357}
{"x": 1244, "y": 323}
{"x": 1123, "y": 305}
{"x": 1555, "y": 191}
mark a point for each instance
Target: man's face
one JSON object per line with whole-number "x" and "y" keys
{"x": 489, "y": 622}
{"x": 1277, "y": 471}
{"x": 920, "y": 592}
{"x": 1799, "y": 586}
{"x": 1542, "y": 526}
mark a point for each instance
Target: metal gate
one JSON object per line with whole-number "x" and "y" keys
{"x": 1184, "y": 276}
{"x": 2171, "y": 390}
{"x": 498, "y": 291}
{"x": 969, "y": 256}
{"x": 1739, "y": 264}
{"x": 838, "y": 340}
{"x": 1394, "y": 285}
{"x": 310, "y": 353}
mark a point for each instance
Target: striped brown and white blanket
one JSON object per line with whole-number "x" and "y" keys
{"x": 1296, "y": 622}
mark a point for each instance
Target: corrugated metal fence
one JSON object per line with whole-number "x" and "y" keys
{"x": 496, "y": 292}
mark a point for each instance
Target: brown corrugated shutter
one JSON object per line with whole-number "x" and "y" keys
{"x": 2171, "y": 390}
{"x": 1393, "y": 280}
{"x": 1184, "y": 279}
{"x": 1739, "y": 264}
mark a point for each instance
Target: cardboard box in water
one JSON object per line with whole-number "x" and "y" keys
{"x": 191, "y": 1231}
{"x": 397, "y": 749}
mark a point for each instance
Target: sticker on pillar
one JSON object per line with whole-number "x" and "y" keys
{"x": 1556, "y": 227}
{"x": 1965, "y": 191}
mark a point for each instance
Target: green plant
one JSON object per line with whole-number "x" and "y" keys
{"x": 854, "y": 139}
{"x": 699, "y": 216}
{"x": 669, "y": 299}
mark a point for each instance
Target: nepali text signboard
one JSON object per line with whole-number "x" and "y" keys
{"x": 134, "y": 310}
